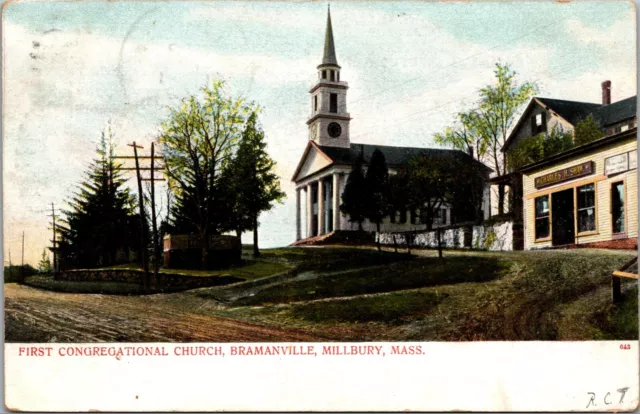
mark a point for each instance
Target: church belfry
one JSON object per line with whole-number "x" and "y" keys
{"x": 329, "y": 121}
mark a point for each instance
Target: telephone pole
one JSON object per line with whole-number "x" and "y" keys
{"x": 136, "y": 157}
{"x": 10, "y": 266}
{"x": 22, "y": 264}
{"x": 156, "y": 241}
{"x": 54, "y": 249}
{"x": 143, "y": 226}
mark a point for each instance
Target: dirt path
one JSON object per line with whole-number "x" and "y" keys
{"x": 34, "y": 315}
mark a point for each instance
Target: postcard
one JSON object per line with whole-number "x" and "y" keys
{"x": 303, "y": 206}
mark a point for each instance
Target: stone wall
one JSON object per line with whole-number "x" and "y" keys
{"x": 171, "y": 281}
{"x": 498, "y": 236}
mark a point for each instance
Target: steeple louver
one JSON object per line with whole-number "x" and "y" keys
{"x": 329, "y": 57}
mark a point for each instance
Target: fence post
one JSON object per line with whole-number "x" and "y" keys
{"x": 616, "y": 291}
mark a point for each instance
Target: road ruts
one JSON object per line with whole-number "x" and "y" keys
{"x": 33, "y": 315}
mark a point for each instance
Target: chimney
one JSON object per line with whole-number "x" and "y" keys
{"x": 606, "y": 92}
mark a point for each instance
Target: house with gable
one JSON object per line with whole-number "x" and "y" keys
{"x": 585, "y": 209}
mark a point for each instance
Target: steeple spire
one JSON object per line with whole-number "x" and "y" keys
{"x": 329, "y": 57}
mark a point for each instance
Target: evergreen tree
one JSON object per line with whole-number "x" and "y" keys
{"x": 257, "y": 185}
{"x": 100, "y": 219}
{"x": 376, "y": 184}
{"x": 587, "y": 130}
{"x": 44, "y": 266}
{"x": 354, "y": 197}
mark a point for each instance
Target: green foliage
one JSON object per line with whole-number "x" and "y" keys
{"x": 538, "y": 147}
{"x": 12, "y": 274}
{"x": 44, "y": 266}
{"x": 587, "y": 130}
{"x": 464, "y": 135}
{"x": 489, "y": 239}
{"x": 100, "y": 220}
{"x": 354, "y": 196}
{"x": 497, "y": 110}
{"x": 198, "y": 140}
{"x": 450, "y": 178}
{"x": 376, "y": 184}
{"x": 254, "y": 182}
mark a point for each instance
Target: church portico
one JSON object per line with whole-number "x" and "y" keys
{"x": 322, "y": 210}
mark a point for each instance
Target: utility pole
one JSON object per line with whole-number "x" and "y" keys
{"x": 143, "y": 233}
{"x": 22, "y": 264}
{"x": 140, "y": 179}
{"x": 156, "y": 241}
{"x": 54, "y": 241}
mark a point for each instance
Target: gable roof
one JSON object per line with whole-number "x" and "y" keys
{"x": 616, "y": 112}
{"x": 571, "y": 111}
{"x": 394, "y": 156}
{"x": 575, "y": 111}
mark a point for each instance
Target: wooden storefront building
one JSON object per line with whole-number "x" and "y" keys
{"x": 584, "y": 197}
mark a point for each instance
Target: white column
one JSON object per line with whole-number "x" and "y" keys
{"x": 336, "y": 201}
{"x": 298, "y": 221}
{"x": 320, "y": 207}
{"x": 309, "y": 211}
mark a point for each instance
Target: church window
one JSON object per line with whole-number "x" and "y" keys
{"x": 333, "y": 103}
{"x": 333, "y": 75}
{"x": 324, "y": 74}
{"x": 315, "y": 103}
{"x": 403, "y": 216}
{"x": 338, "y": 76}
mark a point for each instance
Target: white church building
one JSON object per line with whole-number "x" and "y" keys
{"x": 329, "y": 156}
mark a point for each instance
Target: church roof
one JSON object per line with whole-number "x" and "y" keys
{"x": 395, "y": 156}
{"x": 329, "y": 57}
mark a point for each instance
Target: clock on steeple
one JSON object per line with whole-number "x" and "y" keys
{"x": 329, "y": 121}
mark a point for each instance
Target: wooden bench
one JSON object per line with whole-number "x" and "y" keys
{"x": 616, "y": 291}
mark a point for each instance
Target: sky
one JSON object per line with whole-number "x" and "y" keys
{"x": 72, "y": 68}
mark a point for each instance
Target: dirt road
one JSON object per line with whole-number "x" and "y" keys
{"x": 33, "y": 315}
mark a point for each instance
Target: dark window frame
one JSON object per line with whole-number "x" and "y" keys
{"x": 542, "y": 216}
{"x": 584, "y": 208}
{"x": 623, "y": 213}
{"x": 333, "y": 103}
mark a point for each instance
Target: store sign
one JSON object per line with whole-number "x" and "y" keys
{"x": 616, "y": 164}
{"x": 633, "y": 159}
{"x": 564, "y": 174}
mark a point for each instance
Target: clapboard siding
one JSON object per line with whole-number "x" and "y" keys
{"x": 603, "y": 187}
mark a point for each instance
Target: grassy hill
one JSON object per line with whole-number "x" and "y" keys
{"x": 357, "y": 294}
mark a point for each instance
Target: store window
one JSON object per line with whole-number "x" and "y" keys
{"x": 617, "y": 207}
{"x": 586, "y": 208}
{"x": 542, "y": 217}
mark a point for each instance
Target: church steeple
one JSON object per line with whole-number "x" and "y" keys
{"x": 329, "y": 120}
{"x": 329, "y": 57}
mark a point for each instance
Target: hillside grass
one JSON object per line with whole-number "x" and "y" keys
{"x": 543, "y": 295}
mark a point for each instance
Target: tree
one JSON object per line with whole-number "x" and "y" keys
{"x": 44, "y": 266}
{"x": 197, "y": 141}
{"x": 377, "y": 187}
{"x": 538, "y": 147}
{"x": 258, "y": 186}
{"x": 100, "y": 220}
{"x": 429, "y": 182}
{"x": 587, "y": 130}
{"x": 464, "y": 135}
{"x": 498, "y": 107}
{"x": 354, "y": 196}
